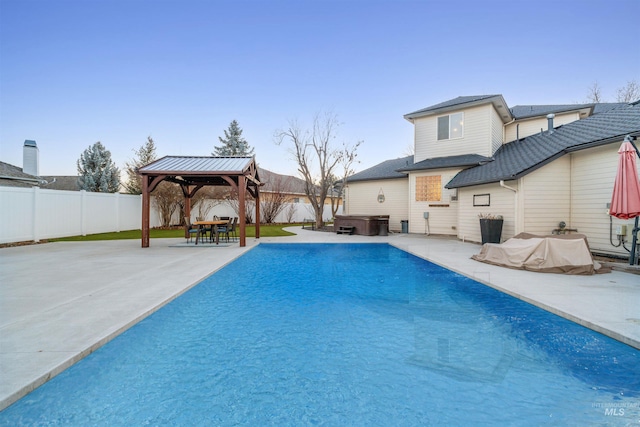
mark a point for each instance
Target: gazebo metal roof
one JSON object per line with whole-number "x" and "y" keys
{"x": 195, "y": 172}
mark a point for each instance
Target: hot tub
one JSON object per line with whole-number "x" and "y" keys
{"x": 365, "y": 225}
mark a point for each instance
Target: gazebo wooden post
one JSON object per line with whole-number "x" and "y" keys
{"x": 145, "y": 211}
{"x": 187, "y": 207}
{"x": 241, "y": 213}
{"x": 257, "y": 199}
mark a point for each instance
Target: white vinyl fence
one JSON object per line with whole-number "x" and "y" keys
{"x": 35, "y": 214}
{"x": 292, "y": 212}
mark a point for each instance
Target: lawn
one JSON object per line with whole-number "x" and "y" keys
{"x": 266, "y": 230}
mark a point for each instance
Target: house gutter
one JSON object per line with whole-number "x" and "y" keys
{"x": 515, "y": 204}
{"x": 17, "y": 178}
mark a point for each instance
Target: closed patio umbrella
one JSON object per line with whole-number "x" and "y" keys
{"x": 625, "y": 201}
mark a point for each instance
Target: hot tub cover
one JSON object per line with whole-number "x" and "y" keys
{"x": 566, "y": 253}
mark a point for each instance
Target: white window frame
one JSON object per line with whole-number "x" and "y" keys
{"x": 452, "y": 119}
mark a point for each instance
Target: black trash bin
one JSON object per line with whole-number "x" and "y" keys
{"x": 383, "y": 227}
{"x": 405, "y": 225}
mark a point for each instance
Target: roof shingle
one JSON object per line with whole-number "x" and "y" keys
{"x": 519, "y": 158}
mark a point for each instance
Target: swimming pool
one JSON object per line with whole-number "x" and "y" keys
{"x": 329, "y": 334}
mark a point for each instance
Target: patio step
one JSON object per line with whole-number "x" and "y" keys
{"x": 345, "y": 229}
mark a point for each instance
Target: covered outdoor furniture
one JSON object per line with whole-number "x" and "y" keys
{"x": 565, "y": 253}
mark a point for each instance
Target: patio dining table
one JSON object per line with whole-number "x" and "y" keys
{"x": 214, "y": 223}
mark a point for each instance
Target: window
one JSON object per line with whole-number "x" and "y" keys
{"x": 451, "y": 126}
{"x": 428, "y": 188}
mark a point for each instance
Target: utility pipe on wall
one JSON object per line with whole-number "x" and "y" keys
{"x": 515, "y": 207}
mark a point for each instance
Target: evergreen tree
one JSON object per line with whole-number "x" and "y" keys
{"x": 233, "y": 144}
{"x": 96, "y": 170}
{"x": 144, "y": 155}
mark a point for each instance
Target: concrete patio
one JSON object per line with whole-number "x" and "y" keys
{"x": 61, "y": 301}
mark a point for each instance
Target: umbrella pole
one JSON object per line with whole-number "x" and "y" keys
{"x": 634, "y": 240}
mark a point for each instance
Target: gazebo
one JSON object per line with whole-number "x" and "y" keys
{"x": 192, "y": 173}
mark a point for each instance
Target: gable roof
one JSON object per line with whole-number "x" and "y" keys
{"x": 463, "y": 160}
{"x": 522, "y": 157}
{"x": 189, "y": 165}
{"x": 13, "y": 176}
{"x": 467, "y": 101}
{"x": 526, "y": 111}
{"x": 385, "y": 170}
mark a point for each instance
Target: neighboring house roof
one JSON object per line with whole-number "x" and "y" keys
{"x": 464, "y": 160}
{"x": 13, "y": 176}
{"x": 282, "y": 183}
{"x": 66, "y": 183}
{"x": 385, "y": 170}
{"x": 519, "y": 158}
{"x": 465, "y": 101}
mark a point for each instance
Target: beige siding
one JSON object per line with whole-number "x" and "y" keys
{"x": 527, "y": 127}
{"x": 497, "y": 130}
{"x": 362, "y": 199}
{"x": 443, "y": 214}
{"x": 477, "y": 137}
{"x": 503, "y": 202}
{"x": 546, "y": 197}
{"x": 593, "y": 174}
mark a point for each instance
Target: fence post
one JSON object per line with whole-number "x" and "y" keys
{"x": 117, "y": 203}
{"x": 83, "y": 212}
{"x": 35, "y": 232}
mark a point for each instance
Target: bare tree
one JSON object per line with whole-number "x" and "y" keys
{"x": 630, "y": 92}
{"x": 249, "y": 205}
{"x": 595, "y": 93}
{"x": 348, "y": 158}
{"x": 290, "y": 212}
{"x": 167, "y": 198}
{"x": 316, "y": 157}
{"x": 409, "y": 150}
{"x": 272, "y": 202}
{"x": 207, "y": 198}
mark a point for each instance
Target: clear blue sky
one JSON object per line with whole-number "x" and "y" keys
{"x": 76, "y": 72}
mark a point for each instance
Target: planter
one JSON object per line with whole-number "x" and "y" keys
{"x": 491, "y": 230}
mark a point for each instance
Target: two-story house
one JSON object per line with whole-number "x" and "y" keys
{"x": 534, "y": 165}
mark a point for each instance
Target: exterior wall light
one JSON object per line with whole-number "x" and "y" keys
{"x": 380, "y": 196}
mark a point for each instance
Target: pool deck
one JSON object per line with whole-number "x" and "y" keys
{"x": 61, "y": 301}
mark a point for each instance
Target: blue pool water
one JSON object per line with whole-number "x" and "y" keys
{"x": 362, "y": 334}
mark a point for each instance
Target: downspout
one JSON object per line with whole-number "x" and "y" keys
{"x": 515, "y": 204}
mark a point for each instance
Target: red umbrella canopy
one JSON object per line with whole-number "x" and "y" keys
{"x": 625, "y": 202}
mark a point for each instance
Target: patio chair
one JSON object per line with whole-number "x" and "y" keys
{"x": 226, "y": 229}
{"x": 190, "y": 228}
{"x": 234, "y": 229}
